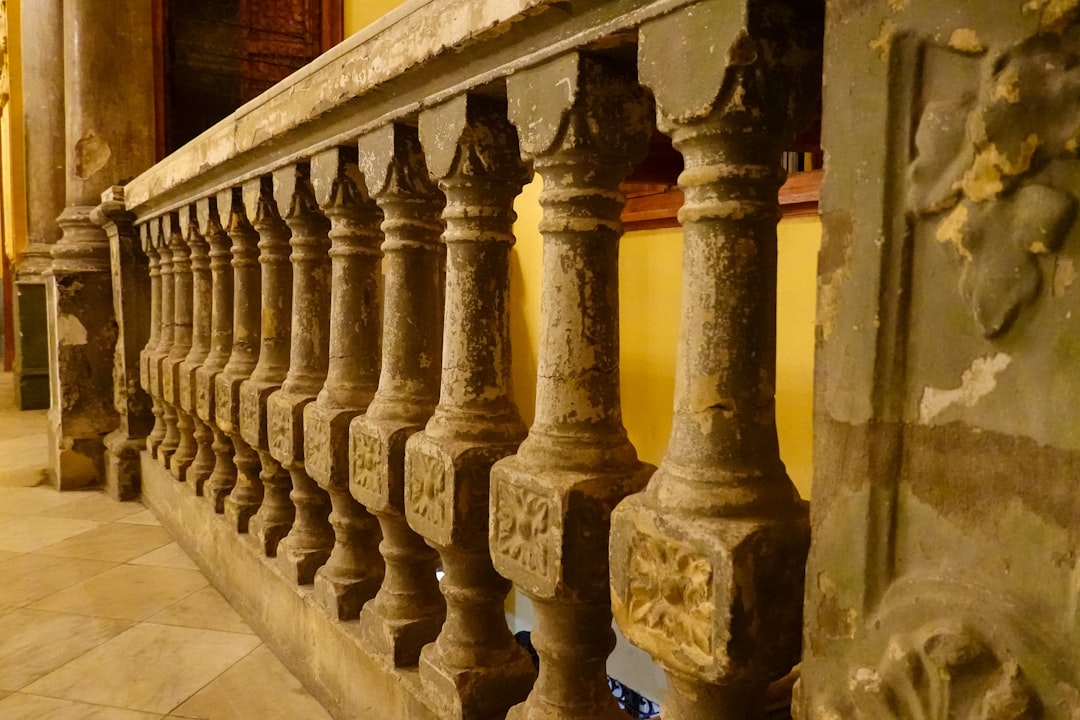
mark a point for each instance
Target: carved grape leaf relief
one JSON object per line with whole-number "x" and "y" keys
{"x": 984, "y": 172}
{"x": 943, "y": 671}
{"x": 523, "y": 528}
{"x": 671, "y": 594}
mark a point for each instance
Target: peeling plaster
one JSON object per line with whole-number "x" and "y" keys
{"x": 977, "y": 382}
{"x": 70, "y": 331}
{"x": 1064, "y": 275}
{"x": 883, "y": 42}
{"x": 965, "y": 40}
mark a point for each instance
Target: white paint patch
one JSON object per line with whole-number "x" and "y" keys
{"x": 69, "y": 331}
{"x": 977, "y": 382}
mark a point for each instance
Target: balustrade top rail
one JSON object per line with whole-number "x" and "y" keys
{"x": 425, "y": 52}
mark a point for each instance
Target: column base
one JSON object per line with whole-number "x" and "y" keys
{"x": 267, "y": 534}
{"x": 344, "y": 598}
{"x": 300, "y": 564}
{"x": 475, "y": 693}
{"x": 397, "y": 641}
{"x": 123, "y": 478}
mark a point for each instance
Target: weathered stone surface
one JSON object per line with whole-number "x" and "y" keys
{"x": 147, "y": 360}
{"x": 275, "y": 512}
{"x": 353, "y": 572}
{"x": 309, "y": 542}
{"x": 130, "y": 281}
{"x": 474, "y": 669}
{"x": 172, "y": 373}
{"x": 156, "y": 373}
{"x": 408, "y": 610}
{"x": 584, "y": 122}
{"x": 238, "y": 495}
{"x": 944, "y": 516}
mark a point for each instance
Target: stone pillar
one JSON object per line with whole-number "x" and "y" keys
{"x": 42, "y": 51}
{"x": 585, "y": 122}
{"x": 132, "y": 280}
{"x": 354, "y": 571}
{"x": 311, "y": 538}
{"x": 238, "y": 495}
{"x": 474, "y": 668}
{"x": 222, "y": 477}
{"x": 276, "y": 511}
{"x": 707, "y": 563}
{"x": 171, "y": 438}
{"x": 109, "y": 136}
{"x": 182, "y": 325}
{"x": 408, "y": 610}
{"x": 147, "y": 356}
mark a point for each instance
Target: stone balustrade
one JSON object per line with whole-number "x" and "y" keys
{"x": 328, "y": 359}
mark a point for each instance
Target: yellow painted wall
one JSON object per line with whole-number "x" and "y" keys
{"x": 12, "y": 153}
{"x": 361, "y": 13}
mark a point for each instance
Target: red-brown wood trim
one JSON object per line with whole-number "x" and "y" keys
{"x": 333, "y": 23}
{"x": 651, "y": 206}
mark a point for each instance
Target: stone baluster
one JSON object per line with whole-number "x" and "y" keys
{"x": 146, "y": 357}
{"x": 707, "y": 564}
{"x": 160, "y": 232}
{"x": 276, "y": 512}
{"x": 474, "y": 668}
{"x": 354, "y": 571}
{"x": 202, "y": 463}
{"x": 311, "y": 538}
{"x": 585, "y": 122}
{"x": 238, "y": 494}
{"x": 222, "y": 476}
{"x": 131, "y": 286}
{"x": 408, "y": 610}
{"x": 182, "y": 314}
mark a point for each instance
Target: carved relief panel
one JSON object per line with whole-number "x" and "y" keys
{"x": 942, "y": 581}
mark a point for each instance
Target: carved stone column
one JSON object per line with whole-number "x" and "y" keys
{"x": 182, "y": 326}
{"x": 707, "y": 564}
{"x": 276, "y": 512}
{"x": 474, "y": 669}
{"x": 354, "y": 571}
{"x": 109, "y": 136}
{"x": 202, "y": 462}
{"x": 171, "y": 438}
{"x": 239, "y": 502}
{"x": 408, "y": 610}
{"x": 147, "y": 358}
{"x": 222, "y": 476}
{"x": 311, "y": 538}
{"x": 131, "y": 287}
{"x": 41, "y": 27}
{"x": 585, "y": 123}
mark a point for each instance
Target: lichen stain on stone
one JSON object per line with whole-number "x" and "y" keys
{"x": 899, "y": 5}
{"x": 70, "y": 331}
{"x": 984, "y": 180}
{"x": 92, "y": 154}
{"x": 977, "y": 382}
{"x": 1064, "y": 275}
{"x": 1057, "y": 15}
{"x": 952, "y": 228}
{"x": 1007, "y": 87}
{"x": 882, "y": 44}
{"x": 966, "y": 40}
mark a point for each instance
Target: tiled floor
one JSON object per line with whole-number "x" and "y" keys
{"x": 103, "y": 616}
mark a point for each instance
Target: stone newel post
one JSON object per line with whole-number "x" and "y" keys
{"x": 585, "y": 122}
{"x": 707, "y": 564}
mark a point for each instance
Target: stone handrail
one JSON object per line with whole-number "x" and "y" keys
{"x": 328, "y": 352}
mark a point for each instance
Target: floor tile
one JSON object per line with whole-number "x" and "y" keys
{"x": 171, "y": 555}
{"x": 33, "y": 707}
{"x": 34, "y": 643}
{"x": 126, "y": 592}
{"x": 141, "y": 518}
{"x": 26, "y": 578}
{"x": 30, "y": 500}
{"x": 5, "y": 555}
{"x": 258, "y": 686}
{"x": 116, "y": 542}
{"x": 203, "y": 609}
{"x": 34, "y": 532}
{"x": 150, "y": 667}
{"x": 94, "y": 506}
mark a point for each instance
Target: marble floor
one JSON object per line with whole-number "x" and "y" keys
{"x": 103, "y": 616}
